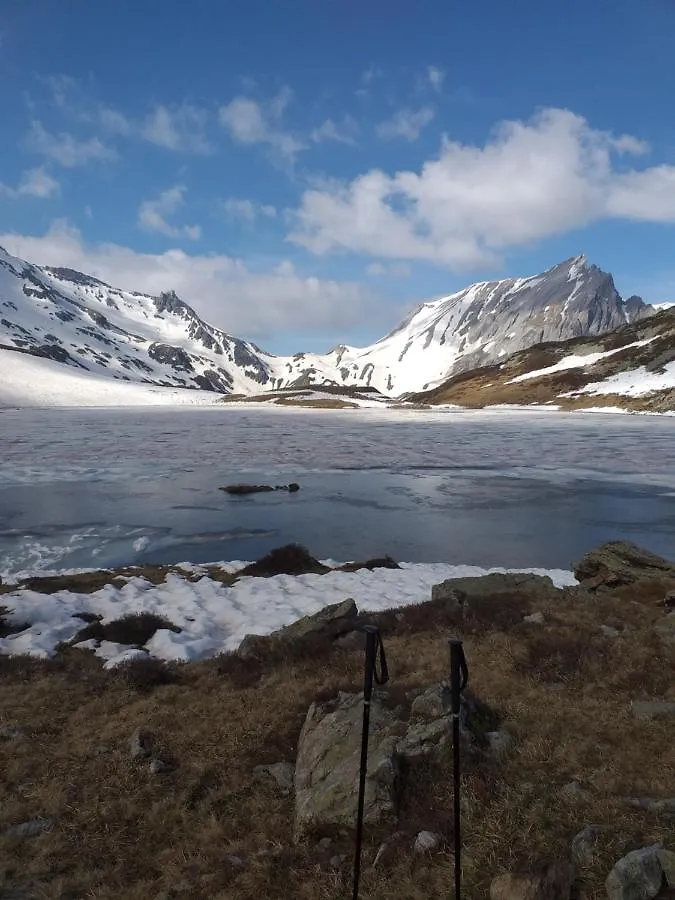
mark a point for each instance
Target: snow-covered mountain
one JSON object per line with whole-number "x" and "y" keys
{"x": 98, "y": 330}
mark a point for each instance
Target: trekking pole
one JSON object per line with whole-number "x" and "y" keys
{"x": 373, "y": 644}
{"x": 459, "y": 676}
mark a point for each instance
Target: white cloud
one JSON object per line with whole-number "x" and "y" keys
{"x": 33, "y": 183}
{"x": 258, "y": 304}
{"x": 247, "y": 210}
{"x": 395, "y": 270}
{"x": 371, "y": 73}
{"x": 330, "y": 131}
{"x": 530, "y": 180}
{"x": 113, "y": 121}
{"x": 406, "y": 123}
{"x": 179, "y": 128}
{"x": 65, "y": 149}
{"x": 436, "y": 77}
{"x": 249, "y": 122}
{"x": 153, "y": 214}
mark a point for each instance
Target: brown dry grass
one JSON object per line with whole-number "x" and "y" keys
{"x": 563, "y": 688}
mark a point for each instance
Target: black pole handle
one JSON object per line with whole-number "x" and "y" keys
{"x": 459, "y": 673}
{"x": 376, "y": 661}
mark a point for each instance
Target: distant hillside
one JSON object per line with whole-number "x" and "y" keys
{"x": 632, "y": 367}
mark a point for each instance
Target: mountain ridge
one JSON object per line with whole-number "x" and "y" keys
{"x": 82, "y": 322}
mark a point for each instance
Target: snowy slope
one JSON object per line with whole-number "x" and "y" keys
{"x": 27, "y": 380}
{"x": 86, "y": 325}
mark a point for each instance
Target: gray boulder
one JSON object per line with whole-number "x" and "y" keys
{"x": 620, "y": 563}
{"x": 638, "y": 876}
{"x": 667, "y": 861}
{"x": 427, "y": 842}
{"x": 457, "y": 593}
{"x": 653, "y": 709}
{"x": 327, "y": 766}
{"x": 29, "y": 829}
{"x": 330, "y": 622}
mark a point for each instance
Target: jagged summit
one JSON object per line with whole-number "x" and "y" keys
{"x": 84, "y": 323}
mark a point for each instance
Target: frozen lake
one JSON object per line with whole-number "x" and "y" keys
{"x": 501, "y": 488}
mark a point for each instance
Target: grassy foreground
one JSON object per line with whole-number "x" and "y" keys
{"x": 207, "y": 828}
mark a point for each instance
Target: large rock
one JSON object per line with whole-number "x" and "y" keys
{"x": 620, "y": 563}
{"x": 328, "y": 761}
{"x": 638, "y": 876}
{"x": 458, "y": 593}
{"x": 555, "y": 882}
{"x": 330, "y": 622}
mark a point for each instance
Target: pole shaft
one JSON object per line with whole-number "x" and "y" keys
{"x": 372, "y": 635}
{"x": 457, "y": 682}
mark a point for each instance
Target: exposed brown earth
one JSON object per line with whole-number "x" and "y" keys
{"x": 201, "y": 826}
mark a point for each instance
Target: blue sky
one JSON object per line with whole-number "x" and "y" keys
{"x": 304, "y": 171}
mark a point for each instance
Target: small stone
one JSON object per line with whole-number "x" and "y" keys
{"x": 31, "y": 828}
{"x": 653, "y": 709}
{"x": 159, "y": 766}
{"x": 235, "y": 861}
{"x": 336, "y": 861}
{"x": 573, "y": 791}
{"x": 427, "y": 842}
{"x": 501, "y": 743}
{"x": 141, "y": 744}
{"x": 662, "y": 805}
{"x": 325, "y": 843}
{"x": 638, "y": 876}
{"x": 282, "y": 773}
{"x": 536, "y": 618}
{"x": 11, "y": 733}
{"x": 669, "y": 600}
{"x": 667, "y": 860}
{"x": 609, "y": 631}
{"x": 102, "y": 749}
{"x": 433, "y": 703}
{"x": 583, "y": 845}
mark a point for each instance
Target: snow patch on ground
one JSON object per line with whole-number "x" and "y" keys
{"x": 635, "y": 383}
{"x": 215, "y": 618}
{"x": 576, "y": 361}
{"x": 27, "y": 380}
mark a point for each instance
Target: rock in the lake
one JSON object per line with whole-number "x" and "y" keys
{"x": 555, "y": 882}
{"x": 327, "y": 767}
{"x": 141, "y": 744}
{"x": 619, "y": 563}
{"x": 30, "y": 828}
{"x": 242, "y": 489}
{"x": 653, "y": 709}
{"x": 282, "y": 773}
{"x": 292, "y": 559}
{"x": 638, "y": 876}
{"x": 427, "y": 842}
{"x": 584, "y": 845}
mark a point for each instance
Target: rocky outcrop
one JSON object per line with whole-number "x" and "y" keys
{"x": 458, "y": 593}
{"x": 620, "y": 563}
{"x": 329, "y": 623}
{"x": 637, "y": 876}
{"x": 327, "y": 766}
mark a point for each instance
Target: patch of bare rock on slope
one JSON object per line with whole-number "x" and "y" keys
{"x": 555, "y": 373}
{"x": 236, "y": 776}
